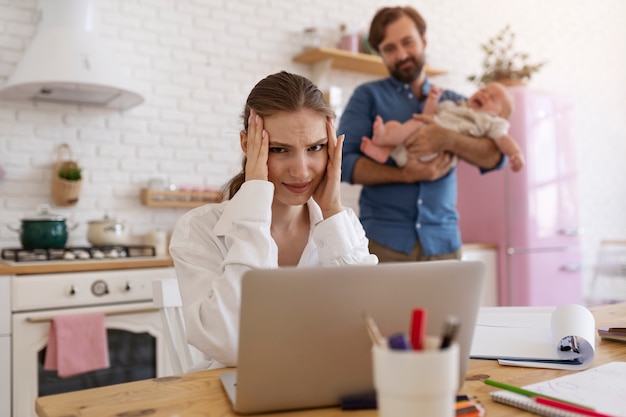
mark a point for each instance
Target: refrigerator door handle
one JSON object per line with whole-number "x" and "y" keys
{"x": 516, "y": 251}
{"x": 571, "y": 231}
{"x": 575, "y": 267}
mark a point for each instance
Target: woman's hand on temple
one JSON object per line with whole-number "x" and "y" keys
{"x": 257, "y": 149}
{"x": 328, "y": 194}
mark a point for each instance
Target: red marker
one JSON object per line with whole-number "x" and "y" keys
{"x": 418, "y": 328}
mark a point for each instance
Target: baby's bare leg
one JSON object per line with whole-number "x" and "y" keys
{"x": 394, "y": 133}
{"x": 378, "y": 130}
{"x": 379, "y": 153}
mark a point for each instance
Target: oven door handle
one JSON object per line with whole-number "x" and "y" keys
{"x": 109, "y": 313}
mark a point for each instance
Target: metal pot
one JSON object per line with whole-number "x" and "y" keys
{"x": 44, "y": 231}
{"x": 107, "y": 232}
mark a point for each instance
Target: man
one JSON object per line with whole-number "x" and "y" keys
{"x": 409, "y": 213}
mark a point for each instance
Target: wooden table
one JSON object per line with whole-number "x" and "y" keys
{"x": 201, "y": 394}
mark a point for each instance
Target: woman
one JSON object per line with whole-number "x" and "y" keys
{"x": 284, "y": 209}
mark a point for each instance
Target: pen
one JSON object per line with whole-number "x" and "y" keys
{"x": 450, "y": 330}
{"x": 373, "y": 331}
{"x": 529, "y": 393}
{"x": 418, "y": 328}
{"x": 568, "y": 407}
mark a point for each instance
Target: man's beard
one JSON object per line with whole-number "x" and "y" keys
{"x": 410, "y": 74}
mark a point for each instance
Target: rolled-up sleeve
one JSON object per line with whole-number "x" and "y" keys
{"x": 341, "y": 240}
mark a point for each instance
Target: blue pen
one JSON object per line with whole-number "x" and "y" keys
{"x": 399, "y": 341}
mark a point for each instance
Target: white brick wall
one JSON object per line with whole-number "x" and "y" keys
{"x": 196, "y": 60}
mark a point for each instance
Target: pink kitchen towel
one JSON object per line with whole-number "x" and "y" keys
{"x": 76, "y": 344}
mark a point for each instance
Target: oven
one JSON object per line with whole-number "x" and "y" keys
{"x": 134, "y": 329}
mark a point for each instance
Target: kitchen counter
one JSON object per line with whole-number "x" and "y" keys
{"x": 27, "y": 268}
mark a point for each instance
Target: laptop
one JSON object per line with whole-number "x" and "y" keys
{"x": 303, "y": 342}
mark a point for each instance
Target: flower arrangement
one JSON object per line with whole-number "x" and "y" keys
{"x": 501, "y": 63}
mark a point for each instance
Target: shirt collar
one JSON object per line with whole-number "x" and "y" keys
{"x": 227, "y": 219}
{"x": 399, "y": 85}
{"x": 426, "y": 88}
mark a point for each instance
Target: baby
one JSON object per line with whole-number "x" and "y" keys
{"x": 484, "y": 114}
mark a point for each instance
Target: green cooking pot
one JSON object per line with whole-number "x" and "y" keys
{"x": 44, "y": 231}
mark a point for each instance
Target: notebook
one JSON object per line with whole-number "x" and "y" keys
{"x": 302, "y": 339}
{"x": 616, "y": 333}
{"x": 602, "y": 388}
{"x": 540, "y": 337}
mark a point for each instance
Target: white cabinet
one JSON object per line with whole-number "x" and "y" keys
{"x": 5, "y": 305}
{"x": 5, "y": 375}
{"x": 487, "y": 254}
{"x": 5, "y": 346}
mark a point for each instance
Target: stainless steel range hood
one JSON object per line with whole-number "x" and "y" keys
{"x": 67, "y": 62}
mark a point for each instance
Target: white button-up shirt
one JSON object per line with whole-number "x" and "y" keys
{"x": 214, "y": 245}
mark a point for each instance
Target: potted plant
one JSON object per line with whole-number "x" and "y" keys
{"x": 501, "y": 63}
{"x": 66, "y": 179}
{"x": 70, "y": 172}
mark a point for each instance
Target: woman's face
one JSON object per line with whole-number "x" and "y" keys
{"x": 298, "y": 154}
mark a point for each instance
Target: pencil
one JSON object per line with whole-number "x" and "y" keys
{"x": 568, "y": 407}
{"x": 529, "y": 393}
{"x": 372, "y": 330}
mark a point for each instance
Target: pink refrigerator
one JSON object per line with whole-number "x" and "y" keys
{"x": 532, "y": 215}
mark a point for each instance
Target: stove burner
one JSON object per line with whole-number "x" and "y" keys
{"x": 77, "y": 253}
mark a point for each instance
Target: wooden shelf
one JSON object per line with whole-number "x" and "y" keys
{"x": 351, "y": 61}
{"x": 178, "y": 198}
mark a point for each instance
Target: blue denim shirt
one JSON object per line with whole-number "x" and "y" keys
{"x": 397, "y": 215}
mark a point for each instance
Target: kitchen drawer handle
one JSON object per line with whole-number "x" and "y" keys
{"x": 112, "y": 313}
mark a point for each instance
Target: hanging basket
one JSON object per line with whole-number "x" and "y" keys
{"x": 66, "y": 178}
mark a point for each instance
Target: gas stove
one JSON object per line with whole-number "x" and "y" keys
{"x": 77, "y": 253}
